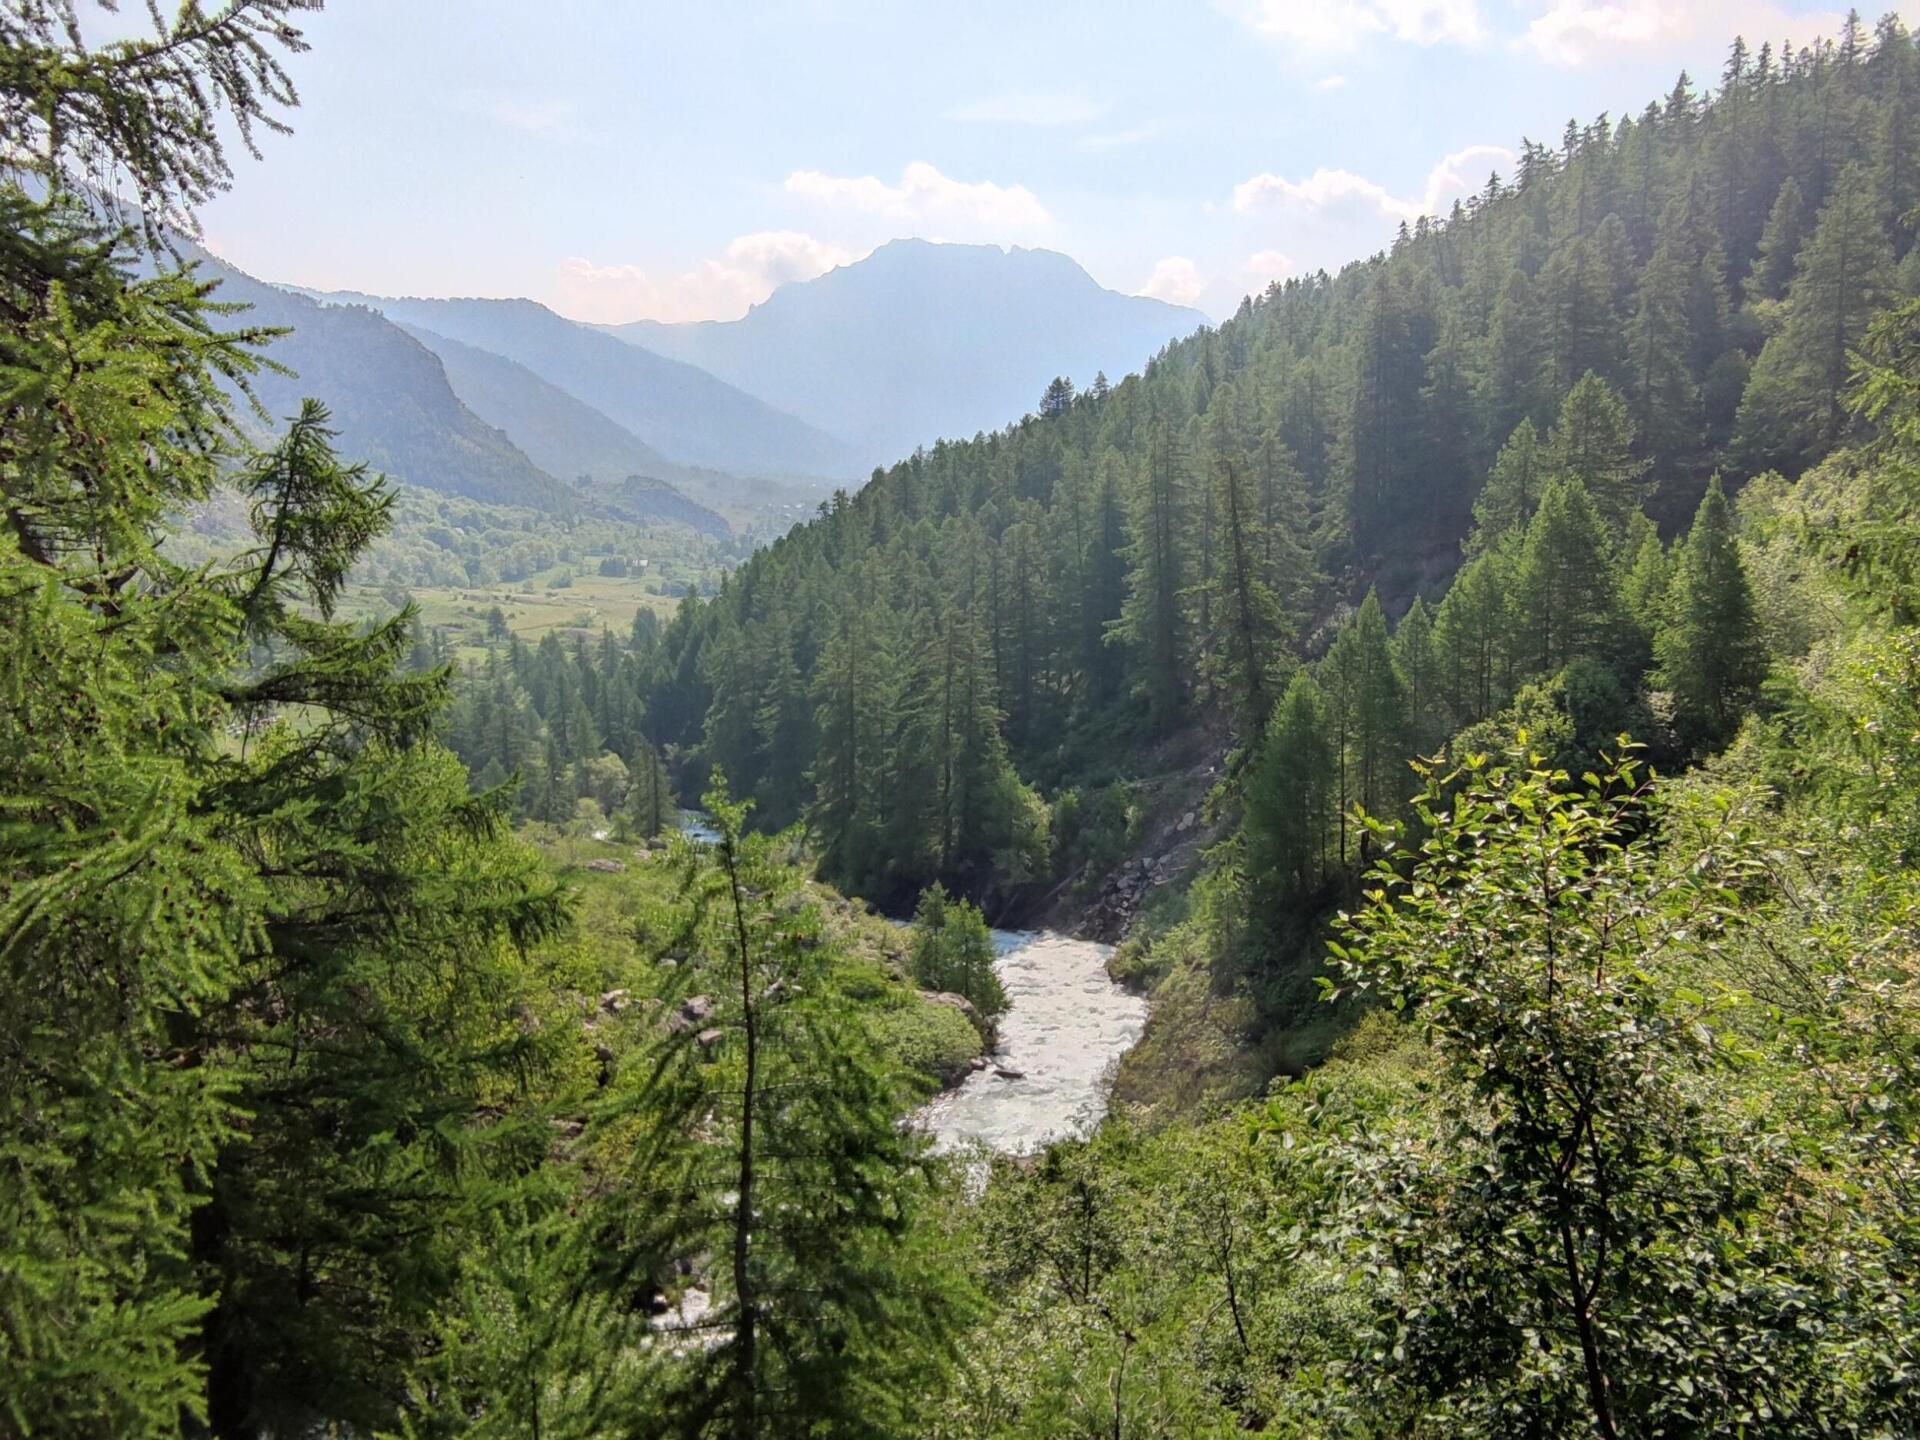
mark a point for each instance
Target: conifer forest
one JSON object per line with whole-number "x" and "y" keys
{"x": 1464, "y": 707}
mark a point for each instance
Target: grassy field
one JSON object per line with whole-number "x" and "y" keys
{"x": 590, "y": 603}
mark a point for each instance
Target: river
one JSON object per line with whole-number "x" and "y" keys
{"x": 1068, "y": 1023}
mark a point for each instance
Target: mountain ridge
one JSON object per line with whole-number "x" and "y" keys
{"x": 923, "y": 340}
{"x": 390, "y": 398}
{"x": 674, "y": 408}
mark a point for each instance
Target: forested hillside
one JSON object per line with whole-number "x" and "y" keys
{"x": 1653, "y": 300}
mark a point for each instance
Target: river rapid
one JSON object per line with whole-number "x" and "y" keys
{"x": 1068, "y": 1024}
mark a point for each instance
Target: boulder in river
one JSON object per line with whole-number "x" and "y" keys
{"x": 980, "y": 1023}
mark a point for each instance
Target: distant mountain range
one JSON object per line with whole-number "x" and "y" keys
{"x": 674, "y": 408}
{"x": 921, "y": 341}
{"x": 563, "y": 436}
{"x": 390, "y": 397}
{"x": 751, "y": 420}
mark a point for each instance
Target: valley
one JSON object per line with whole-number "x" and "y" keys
{"x": 909, "y": 846}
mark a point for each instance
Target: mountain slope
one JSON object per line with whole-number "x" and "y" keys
{"x": 922, "y": 341}
{"x": 389, "y": 394}
{"x": 675, "y": 408}
{"x": 644, "y": 500}
{"x": 562, "y": 435}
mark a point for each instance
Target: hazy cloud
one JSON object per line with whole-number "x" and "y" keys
{"x": 1028, "y": 109}
{"x": 1582, "y": 32}
{"x": 1329, "y": 82}
{"x": 550, "y": 118}
{"x": 1174, "y": 280}
{"x": 1461, "y": 174}
{"x": 1335, "y": 26}
{"x": 1321, "y": 191}
{"x": 722, "y": 288}
{"x": 1341, "y": 191}
{"x": 1118, "y": 139}
{"x": 1263, "y": 267}
{"x": 924, "y": 194}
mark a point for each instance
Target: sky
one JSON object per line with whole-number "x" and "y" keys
{"x": 625, "y": 159}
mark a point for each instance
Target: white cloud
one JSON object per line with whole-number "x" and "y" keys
{"x": 1338, "y": 26}
{"x": 1341, "y": 191}
{"x": 1461, "y": 174}
{"x": 1174, "y": 280}
{"x": 1581, "y": 32}
{"x": 1028, "y": 109}
{"x": 924, "y": 194}
{"x": 1323, "y": 190}
{"x": 722, "y": 288}
{"x": 1263, "y": 267}
{"x": 1329, "y": 83}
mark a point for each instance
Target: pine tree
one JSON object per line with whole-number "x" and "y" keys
{"x": 1366, "y": 718}
{"x": 1289, "y": 800}
{"x": 1469, "y": 637}
{"x": 766, "y": 1134}
{"x": 1562, "y": 598}
{"x": 1508, "y": 499}
{"x": 953, "y": 951}
{"x": 192, "y": 887}
{"x": 1780, "y": 243}
{"x": 1417, "y": 663}
{"x": 1710, "y": 652}
{"x": 1592, "y": 442}
{"x": 1664, "y": 400}
{"x": 1793, "y": 401}
{"x": 1153, "y": 622}
{"x": 850, "y": 691}
{"x": 1250, "y": 630}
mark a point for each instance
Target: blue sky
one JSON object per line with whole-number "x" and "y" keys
{"x": 617, "y": 159}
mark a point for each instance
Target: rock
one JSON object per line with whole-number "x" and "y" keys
{"x": 979, "y": 1062}
{"x": 614, "y": 1001}
{"x": 1006, "y": 1074}
{"x": 958, "y": 1002}
{"x": 694, "y": 1010}
{"x": 667, "y": 962}
{"x": 1186, "y": 822}
{"x": 607, "y": 867}
{"x": 707, "y": 1039}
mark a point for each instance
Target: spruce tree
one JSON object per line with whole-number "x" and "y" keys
{"x": 1780, "y": 244}
{"x": 1417, "y": 663}
{"x": 1153, "y": 622}
{"x": 1366, "y": 719}
{"x": 1709, "y": 650}
{"x": 1563, "y": 596}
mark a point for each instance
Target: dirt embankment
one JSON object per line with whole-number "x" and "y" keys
{"x": 1173, "y": 830}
